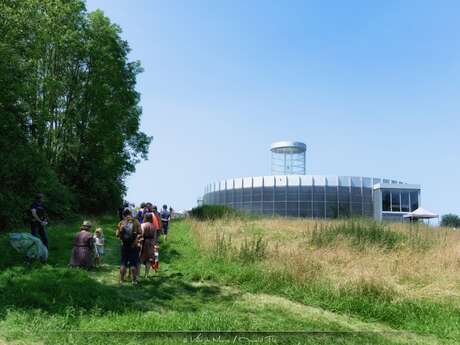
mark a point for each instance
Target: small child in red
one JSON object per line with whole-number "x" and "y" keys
{"x": 155, "y": 264}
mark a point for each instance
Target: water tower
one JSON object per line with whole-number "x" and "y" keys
{"x": 288, "y": 158}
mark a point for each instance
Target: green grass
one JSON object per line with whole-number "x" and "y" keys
{"x": 52, "y": 304}
{"x": 363, "y": 300}
{"x": 359, "y": 232}
{"x": 362, "y": 233}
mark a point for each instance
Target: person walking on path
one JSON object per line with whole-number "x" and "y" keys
{"x": 121, "y": 209}
{"x": 39, "y": 219}
{"x": 141, "y": 212}
{"x": 129, "y": 231}
{"x": 148, "y": 241}
{"x": 165, "y": 219}
{"x": 83, "y": 247}
{"x": 157, "y": 222}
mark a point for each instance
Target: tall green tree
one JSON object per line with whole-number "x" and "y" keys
{"x": 71, "y": 111}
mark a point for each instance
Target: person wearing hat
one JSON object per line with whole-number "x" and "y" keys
{"x": 83, "y": 247}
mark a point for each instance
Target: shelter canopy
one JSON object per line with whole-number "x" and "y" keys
{"x": 421, "y": 213}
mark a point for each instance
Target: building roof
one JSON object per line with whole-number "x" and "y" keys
{"x": 288, "y": 147}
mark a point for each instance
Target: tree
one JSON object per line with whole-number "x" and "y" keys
{"x": 450, "y": 220}
{"x": 70, "y": 113}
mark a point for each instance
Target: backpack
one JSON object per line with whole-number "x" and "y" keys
{"x": 140, "y": 215}
{"x": 165, "y": 215}
{"x": 127, "y": 234}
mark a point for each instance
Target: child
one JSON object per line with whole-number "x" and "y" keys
{"x": 99, "y": 244}
{"x": 155, "y": 263}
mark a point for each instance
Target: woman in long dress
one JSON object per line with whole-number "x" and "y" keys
{"x": 83, "y": 247}
{"x": 148, "y": 240}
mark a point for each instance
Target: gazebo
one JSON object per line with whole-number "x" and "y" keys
{"x": 420, "y": 213}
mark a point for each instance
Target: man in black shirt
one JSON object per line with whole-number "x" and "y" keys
{"x": 38, "y": 220}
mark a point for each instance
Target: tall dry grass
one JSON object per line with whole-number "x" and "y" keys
{"x": 413, "y": 261}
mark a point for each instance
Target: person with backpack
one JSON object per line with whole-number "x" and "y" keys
{"x": 165, "y": 218}
{"x": 121, "y": 209}
{"x": 129, "y": 231}
{"x": 148, "y": 242}
{"x": 39, "y": 219}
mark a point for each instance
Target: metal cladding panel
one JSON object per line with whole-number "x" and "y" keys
{"x": 332, "y": 181}
{"x": 356, "y": 181}
{"x": 367, "y": 182}
{"x": 269, "y": 181}
{"x": 344, "y": 181}
{"x": 258, "y": 181}
{"x": 281, "y": 181}
{"x": 247, "y": 182}
{"x": 305, "y": 201}
{"x": 293, "y": 180}
{"x": 238, "y": 183}
{"x": 306, "y": 180}
{"x": 319, "y": 180}
{"x": 229, "y": 183}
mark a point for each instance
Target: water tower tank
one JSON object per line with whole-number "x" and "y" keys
{"x": 288, "y": 158}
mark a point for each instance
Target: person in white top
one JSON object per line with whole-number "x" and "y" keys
{"x": 99, "y": 245}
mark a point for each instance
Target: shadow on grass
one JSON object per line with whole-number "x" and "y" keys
{"x": 54, "y": 288}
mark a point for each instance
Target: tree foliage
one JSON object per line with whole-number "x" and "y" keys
{"x": 450, "y": 220}
{"x": 69, "y": 110}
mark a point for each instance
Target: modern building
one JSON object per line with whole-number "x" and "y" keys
{"x": 314, "y": 196}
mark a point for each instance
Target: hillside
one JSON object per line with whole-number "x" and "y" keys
{"x": 357, "y": 285}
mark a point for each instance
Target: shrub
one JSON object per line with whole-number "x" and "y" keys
{"x": 450, "y": 220}
{"x": 212, "y": 212}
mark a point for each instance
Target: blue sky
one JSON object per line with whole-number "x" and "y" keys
{"x": 371, "y": 87}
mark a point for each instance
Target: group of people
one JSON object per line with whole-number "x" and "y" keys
{"x": 139, "y": 232}
{"x": 88, "y": 248}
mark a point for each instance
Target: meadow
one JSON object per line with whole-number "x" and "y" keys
{"x": 346, "y": 282}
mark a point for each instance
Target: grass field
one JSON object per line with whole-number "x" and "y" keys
{"x": 349, "y": 281}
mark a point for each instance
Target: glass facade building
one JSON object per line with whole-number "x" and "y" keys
{"x": 316, "y": 196}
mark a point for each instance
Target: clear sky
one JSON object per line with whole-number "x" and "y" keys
{"x": 372, "y": 87}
